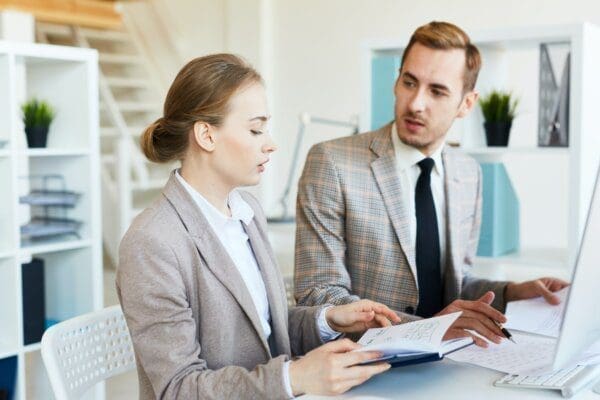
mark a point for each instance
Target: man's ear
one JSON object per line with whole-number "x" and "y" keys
{"x": 203, "y": 136}
{"x": 467, "y": 103}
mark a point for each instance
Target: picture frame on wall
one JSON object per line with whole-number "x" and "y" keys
{"x": 553, "y": 115}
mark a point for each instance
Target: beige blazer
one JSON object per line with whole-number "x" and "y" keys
{"x": 195, "y": 330}
{"x": 352, "y": 234}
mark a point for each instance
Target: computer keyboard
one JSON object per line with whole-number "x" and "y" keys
{"x": 568, "y": 380}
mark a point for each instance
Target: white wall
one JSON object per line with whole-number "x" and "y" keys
{"x": 317, "y": 50}
{"x": 310, "y": 51}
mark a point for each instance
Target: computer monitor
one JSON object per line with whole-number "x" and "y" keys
{"x": 581, "y": 323}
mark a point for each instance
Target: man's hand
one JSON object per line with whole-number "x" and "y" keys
{"x": 360, "y": 316}
{"x": 333, "y": 368}
{"x": 477, "y": 316}
{"x": 540, "y": 287}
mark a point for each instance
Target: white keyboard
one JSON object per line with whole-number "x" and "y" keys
{"x": 568, "y": 380}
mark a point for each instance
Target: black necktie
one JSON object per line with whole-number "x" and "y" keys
{"x": 428, "y": 245}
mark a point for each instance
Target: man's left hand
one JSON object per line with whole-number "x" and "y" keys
{"x": 360, "y": 316}
{"x": 540, "y": 287}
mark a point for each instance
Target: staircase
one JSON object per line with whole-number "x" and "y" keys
{"x": 130, "y": 99}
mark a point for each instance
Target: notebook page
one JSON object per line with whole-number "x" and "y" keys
{"x": 419, "y": 336}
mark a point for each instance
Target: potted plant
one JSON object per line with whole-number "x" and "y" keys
{"x": 37, "y": 116}
{"x": 499, "y": 110}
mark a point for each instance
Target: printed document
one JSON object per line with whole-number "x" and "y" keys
{"x": 536, "y": 315}
{"x": 530, "y": 355}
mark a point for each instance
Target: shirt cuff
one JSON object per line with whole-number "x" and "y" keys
{"x": 325, "y": 331}
{"x": 286, "y": 379}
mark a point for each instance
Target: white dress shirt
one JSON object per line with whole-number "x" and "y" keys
{"x": 234, "y": 239}
{"x": 407, "y": 158}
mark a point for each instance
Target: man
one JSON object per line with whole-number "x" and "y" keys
{"x": 394, "y": 215}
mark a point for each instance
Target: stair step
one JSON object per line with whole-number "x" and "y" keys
{"x": 128, "y": 83}
{"x": 150, "y": 185}
{"x": 54, "y": 30}
{"x": 113, "y": 132}
{"x": 134, "y": 106}
{"x": 105, "y": 34}
{"x": 108, "y": 158}
{"x": 125, "y": 59}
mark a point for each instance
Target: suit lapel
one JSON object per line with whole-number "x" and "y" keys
{"x": 272, "y": 285}
{"x": 452, "y": 187}
{"x": 386, "y": 175}
{"x": 212, "y": 252}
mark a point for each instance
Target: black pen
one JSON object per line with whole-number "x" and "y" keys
{"x": 505, "y": 332}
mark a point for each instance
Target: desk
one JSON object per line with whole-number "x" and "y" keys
{"x": 445, "y": 380}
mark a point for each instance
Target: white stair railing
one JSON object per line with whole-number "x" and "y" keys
{"x": 123, "y": 168}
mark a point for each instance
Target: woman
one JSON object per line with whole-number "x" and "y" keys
{"x": 197, "y": 278}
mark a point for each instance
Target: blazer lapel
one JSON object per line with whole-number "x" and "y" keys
{"x": 452, "y": 186}
{"x": 386, "y": 175}
{"x": 212, "y": 251}
{"x": 272, "y": 285}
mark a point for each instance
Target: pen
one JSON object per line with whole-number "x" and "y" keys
{"x": 505, "y": 332}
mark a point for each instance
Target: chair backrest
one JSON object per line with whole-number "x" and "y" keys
{"x": 85, "y": 350}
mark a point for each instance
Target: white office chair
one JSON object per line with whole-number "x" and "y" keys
{"x": 85, "y": 350}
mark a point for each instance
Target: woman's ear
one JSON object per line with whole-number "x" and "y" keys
{"x": 204, "y": 136}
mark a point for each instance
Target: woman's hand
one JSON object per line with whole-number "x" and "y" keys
{"x": 332, "y": 369}
{"x": 360, "y": 316}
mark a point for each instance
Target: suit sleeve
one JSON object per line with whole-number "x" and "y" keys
{"x": 320, "y": 274}
{"x": 473, "y": 288}
{"x": 164, "y": 333}
{"x": 303, "y": 329}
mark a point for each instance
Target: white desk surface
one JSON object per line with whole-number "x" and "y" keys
{"x": 445, "y": 380}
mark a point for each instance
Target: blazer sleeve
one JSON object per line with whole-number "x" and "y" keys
{"x": 473, "y": 288}
{"x": 320, "y": 274}
{"x": 164, "y": 334}
{"x": 303, "y": 329}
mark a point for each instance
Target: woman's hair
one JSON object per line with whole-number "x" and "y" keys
{"x": 200, "y": 92}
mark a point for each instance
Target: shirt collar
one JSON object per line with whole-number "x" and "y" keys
{"x": 240, "y": 210}
{"x": 408, "y": 156}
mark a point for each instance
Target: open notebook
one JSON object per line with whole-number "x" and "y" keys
{"x": 413, "y": 342}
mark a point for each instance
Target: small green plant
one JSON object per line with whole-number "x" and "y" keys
{"x": 37, "y": 113}
{"x": 499, "y": 106}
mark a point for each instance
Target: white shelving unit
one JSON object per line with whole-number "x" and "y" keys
{"x": 67, "y": 78}
{"x": 554, "y": 185}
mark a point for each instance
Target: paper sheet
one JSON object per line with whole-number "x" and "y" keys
{"x": 536, "y": 315}
{"x": 530, "y": 353}
{"x": 422, "y": 335}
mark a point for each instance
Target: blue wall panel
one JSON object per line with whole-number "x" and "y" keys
{"x": 384, "y": 71}
{"x": 500, "y": 218}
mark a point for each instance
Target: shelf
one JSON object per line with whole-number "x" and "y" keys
{"x": 533, "y": 150}
{"x": 7, "y": 351}
{"x": 49, "y": 152}
{"x": 556, "y": 258}
{"x": 6, "y": 254}
{"x": 497, "y": 153}
{"x": 32, "y": 347}
{"x": 52, "y": 246}
{"x": 4, "y": 153}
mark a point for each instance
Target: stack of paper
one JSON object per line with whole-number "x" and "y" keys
{"x": 532, "y": 354}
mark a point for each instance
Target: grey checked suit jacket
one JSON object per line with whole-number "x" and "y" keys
{"x": 352, "y": 233}
{"x": 195, "y": 330}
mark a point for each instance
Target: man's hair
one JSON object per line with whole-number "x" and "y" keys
{"x": 447, "y": 36}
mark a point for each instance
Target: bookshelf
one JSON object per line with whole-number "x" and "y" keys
{"x": 67, "y": 78}
{"x": 553, "y": 184}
